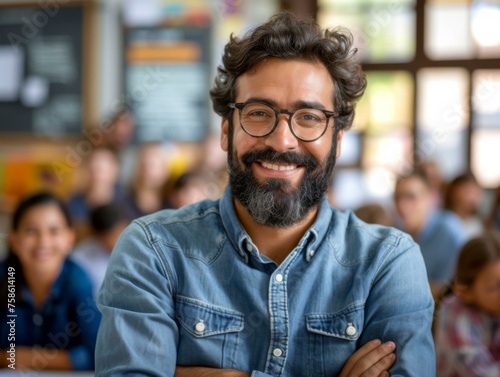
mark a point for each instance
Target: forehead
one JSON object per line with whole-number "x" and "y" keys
{"x": 286, "y": 81}
{"x": 411, "y": 184}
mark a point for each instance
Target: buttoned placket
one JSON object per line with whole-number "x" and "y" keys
{"x": 279, "y": 315}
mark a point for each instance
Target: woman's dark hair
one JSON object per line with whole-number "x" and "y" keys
{"x": 38, "y": 199}
{"x": 475, "y": 255}
{"x": 286, "y": 37}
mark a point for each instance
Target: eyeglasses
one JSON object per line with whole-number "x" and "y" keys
{"x": 258, "y": 119}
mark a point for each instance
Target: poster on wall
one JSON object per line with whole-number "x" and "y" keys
{"x": 167, "y": 81}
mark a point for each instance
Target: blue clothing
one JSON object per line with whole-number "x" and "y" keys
{"x": 188, "y": 287}
{"x": 440, "y": 241}
{"x": 68, "y": 319}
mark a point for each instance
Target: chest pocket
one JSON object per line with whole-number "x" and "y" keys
{"x": 333, "y": 339}
{"x": 208, "y": 334}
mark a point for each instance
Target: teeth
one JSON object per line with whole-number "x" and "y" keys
{"x": 278, "y": 167}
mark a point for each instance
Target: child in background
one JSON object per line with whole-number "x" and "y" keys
{"x": 468, "y": 321}
{"x": 56, "y": 318}
{"x": 92, "y": 254}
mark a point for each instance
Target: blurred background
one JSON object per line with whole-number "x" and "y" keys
{"x": 133, "y": 75}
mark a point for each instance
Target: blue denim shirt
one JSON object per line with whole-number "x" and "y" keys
{"x": 188, "y": 287}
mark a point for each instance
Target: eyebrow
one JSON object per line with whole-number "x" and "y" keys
{"x": 300, "y": 104}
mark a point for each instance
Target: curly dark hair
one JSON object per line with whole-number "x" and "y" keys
{"x": 286, "y": 37}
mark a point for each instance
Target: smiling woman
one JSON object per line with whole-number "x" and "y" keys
{"x": 55, "y": 317}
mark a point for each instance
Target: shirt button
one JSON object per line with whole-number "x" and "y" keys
{"x": 279, "y": 278}
{"x": 277, "y": 352}
{"x": 200, "y": 326}
{"x": 351, "y": 330}
{"x": 249, "y": 247}
{"x": 37, "y": 320}
{"x": 311, "y": 253}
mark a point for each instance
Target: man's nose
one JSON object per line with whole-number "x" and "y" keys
{"x": 282, "y": 139}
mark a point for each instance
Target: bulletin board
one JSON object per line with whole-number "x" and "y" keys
{"x": 42, "y": 68}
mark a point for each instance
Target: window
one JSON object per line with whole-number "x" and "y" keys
{"x": 433, "y": 85}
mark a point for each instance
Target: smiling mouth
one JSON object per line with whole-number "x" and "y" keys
{"x": 277, "y": 167}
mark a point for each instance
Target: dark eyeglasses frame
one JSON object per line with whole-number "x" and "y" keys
{"x": 240, "y": 105}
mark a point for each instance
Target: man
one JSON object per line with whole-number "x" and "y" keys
{"x": 439, "y": 233}
{"x": 270, "y": 280}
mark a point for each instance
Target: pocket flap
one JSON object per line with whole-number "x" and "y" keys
{"x": 346, "y": 324}
{"x": 202, "y": 319}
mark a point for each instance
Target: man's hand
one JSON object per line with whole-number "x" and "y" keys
{"x": 372, "y": 360}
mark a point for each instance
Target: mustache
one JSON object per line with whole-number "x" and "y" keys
{"x": 270, "y": 155}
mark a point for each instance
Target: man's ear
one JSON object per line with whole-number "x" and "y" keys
{"x": 339, "y": 143}
{"x": 224, "y": 134}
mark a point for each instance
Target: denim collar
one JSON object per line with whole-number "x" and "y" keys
{"x": 243, "y": 244}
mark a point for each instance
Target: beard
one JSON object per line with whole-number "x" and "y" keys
{"x": 274, "y": 202}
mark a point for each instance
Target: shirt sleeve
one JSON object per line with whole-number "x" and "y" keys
{"x": 464, "y": 344}
{"x": 400, "y": 308}
{"x": 138, "y": 333}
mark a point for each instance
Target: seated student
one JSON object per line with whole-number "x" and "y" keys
{"x": 100, "y": 172}
{"x": 439, "y": 233}
{"x": 92, "y": 253}
{"x": 56, "y": 319}
{"x": 146, "y": 192}
{"x": 190, "y": 187}
{"x": 463, "y": 197}
{"x": 374, "y": 213}
{"x": 468, "y": 319}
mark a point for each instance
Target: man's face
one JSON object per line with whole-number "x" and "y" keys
{"x": 278, "y": 178}
{"x": 413, "y": 202}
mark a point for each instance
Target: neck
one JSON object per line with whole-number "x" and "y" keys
{"x": 274, "y": 243}
{"x": 99, "y": 194}
{"x": 40, "y": 284}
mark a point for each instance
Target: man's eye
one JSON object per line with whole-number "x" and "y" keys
{"x": 310, "y": 117}
{"x": 258, "y": 113}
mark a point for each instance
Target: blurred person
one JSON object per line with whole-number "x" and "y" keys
{"x": 119, "y": 134}
{"x": 436, "y": 183}
{"x": 100, "y": 177}
{"x": 463, "y": 196}
{"x": 191, "y": 187}
{"x": 146, "y": 192}
{"x": 92, "y": 254}
{"x": 439, "y": 233}
{"x": 374, "y": 213}
{"x": 119, "y": 131}
{"x": 270, "y": 280}
{"x": 468, "y": 319}
{"x": 56, "y": 318}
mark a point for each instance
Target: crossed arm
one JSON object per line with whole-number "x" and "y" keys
{"x": 372, "y": 360}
